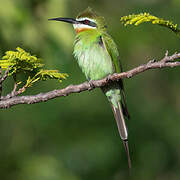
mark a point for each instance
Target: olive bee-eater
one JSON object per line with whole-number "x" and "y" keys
{"x": 98, "y": 57}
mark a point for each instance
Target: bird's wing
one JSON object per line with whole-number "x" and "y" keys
{"x": 112, "y": 50}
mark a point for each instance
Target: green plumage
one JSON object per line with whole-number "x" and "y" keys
{"x": 92, "y": 55}
{"x": 98, "y": 57}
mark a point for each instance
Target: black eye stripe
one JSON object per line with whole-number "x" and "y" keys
{"x": 88, "y": 22}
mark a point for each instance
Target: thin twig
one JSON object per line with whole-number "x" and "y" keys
{"x": 0, "y": 82}
{"x": 3, "y": 78}
{"x": 14, "y": 92}
{"x": 167, "y": 61}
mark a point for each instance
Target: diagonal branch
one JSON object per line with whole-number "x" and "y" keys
{"x": 4, "y": 77}
{"x": 167, "y": 61}
{"x": 0, "y": 82}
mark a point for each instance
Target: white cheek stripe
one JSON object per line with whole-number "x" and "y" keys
{"x": 83, "y": 26}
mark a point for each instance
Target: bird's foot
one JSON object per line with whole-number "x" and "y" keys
{"x": 91, "y": 84}
{"x": 108, "y": 78}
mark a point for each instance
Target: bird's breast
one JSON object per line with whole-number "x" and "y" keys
{"x": 93, "y": 59}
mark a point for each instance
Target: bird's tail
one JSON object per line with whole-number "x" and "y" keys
{"x": 118, "y": 114}
{"x": 116, "y": 99}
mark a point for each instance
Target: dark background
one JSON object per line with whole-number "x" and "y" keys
{"x": 75, "y": 137}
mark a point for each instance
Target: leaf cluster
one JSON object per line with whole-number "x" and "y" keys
{"x": 137, "y": 19}
{"x": 20, "y": 61}
{"x": 44, "y": 74}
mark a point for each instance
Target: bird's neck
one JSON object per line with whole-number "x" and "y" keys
{"x": 87, "y": 36}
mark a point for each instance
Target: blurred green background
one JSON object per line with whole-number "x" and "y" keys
{"x": 75, "y": 137}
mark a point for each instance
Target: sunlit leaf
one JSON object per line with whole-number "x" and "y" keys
{"x": 137, "y": 19}
{"x": 20, "y": 61}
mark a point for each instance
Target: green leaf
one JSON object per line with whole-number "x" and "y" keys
{"x": 137, "y": 19}
{"x": 20, "y": 61}
{"x": 44, "y": 74}
{"x": 52, "y": 74}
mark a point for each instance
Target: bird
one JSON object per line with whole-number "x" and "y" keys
{"x": 98, "y": 57}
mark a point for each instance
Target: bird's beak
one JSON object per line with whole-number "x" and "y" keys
{"x": 68, "y": 20}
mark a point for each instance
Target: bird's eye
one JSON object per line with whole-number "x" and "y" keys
{"x": 86, "y": 21}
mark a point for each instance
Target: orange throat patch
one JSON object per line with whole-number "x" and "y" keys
{"x": 78, "y": 30}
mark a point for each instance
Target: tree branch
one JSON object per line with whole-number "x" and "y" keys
{"x": 4, "y": 77}
{"x": 167, "y": 61}
{"x": 0, "y": 82}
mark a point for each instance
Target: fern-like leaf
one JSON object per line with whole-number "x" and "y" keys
{"x": 20, "y": 61}
{"x": 52, "y": 74}
{"x": 137, "y": 19}
{"x": 45, "y": 74}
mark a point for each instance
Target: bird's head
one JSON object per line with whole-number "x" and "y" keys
{"x": 85, "y": 21}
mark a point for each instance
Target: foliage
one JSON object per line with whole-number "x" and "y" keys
{"x": 44, "y": 74}
{"x": 20, "y": 61}
{"x": 137, "y": 19}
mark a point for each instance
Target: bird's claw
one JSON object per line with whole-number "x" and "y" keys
{"x": 108, "y": 78}
{"x": 91, "y": 84}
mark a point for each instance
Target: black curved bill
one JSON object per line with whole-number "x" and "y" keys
{"x": 68, "y": 20}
